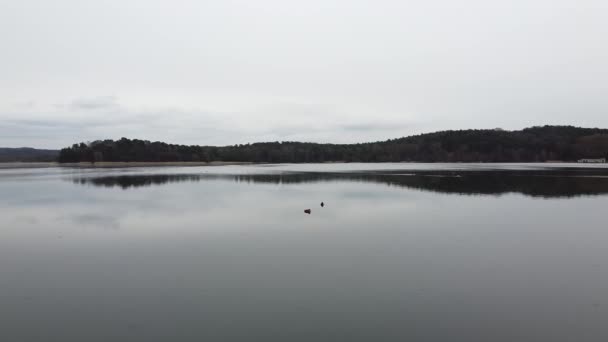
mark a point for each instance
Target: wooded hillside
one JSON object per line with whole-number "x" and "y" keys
{"x": 535, "y": 144}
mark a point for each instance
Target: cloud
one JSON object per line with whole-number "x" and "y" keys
{"x": 104, "y": 117}
{"x": 107, "y": 117}
{"x": 376, "y": 126}
{"x": 101, "y": 102}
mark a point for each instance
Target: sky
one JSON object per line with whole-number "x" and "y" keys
{"x": 230, "y": 72}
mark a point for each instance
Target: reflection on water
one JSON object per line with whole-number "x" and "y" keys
{"x": 546, "y": 184}
{"x": 135, "y": 181}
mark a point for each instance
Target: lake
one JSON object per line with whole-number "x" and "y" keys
{"x": 399, "y": 252}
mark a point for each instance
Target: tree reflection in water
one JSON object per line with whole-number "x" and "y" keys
{"x": 547, "y": 184}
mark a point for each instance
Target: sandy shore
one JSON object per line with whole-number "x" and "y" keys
{"x": 19, "y": 165}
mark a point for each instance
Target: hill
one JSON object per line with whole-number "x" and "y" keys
{"x": 27, "y": 154}
{"x": 535, "y": 144}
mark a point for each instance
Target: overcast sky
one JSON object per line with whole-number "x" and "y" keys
{"x": 225, "y": 72}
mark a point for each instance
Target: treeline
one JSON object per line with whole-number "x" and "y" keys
{"x": 535, "y": 144}
{"x": 27, "y": 154}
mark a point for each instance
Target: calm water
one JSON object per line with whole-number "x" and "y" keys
{"x": 400, "y": 252}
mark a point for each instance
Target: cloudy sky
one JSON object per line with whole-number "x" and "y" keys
{"x": 225, "y": 72}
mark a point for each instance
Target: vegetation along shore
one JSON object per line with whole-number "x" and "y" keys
{"x": 534, "y": 144}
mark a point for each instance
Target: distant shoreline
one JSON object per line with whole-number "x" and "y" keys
{"x": 32, "y": 165}
{"x": 529, "y": 145}
{"x": 101, "y": 165}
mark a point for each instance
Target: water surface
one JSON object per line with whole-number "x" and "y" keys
{"x": 415, "y": 252}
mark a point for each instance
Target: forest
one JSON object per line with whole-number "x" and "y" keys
{"x": 534, "y": 144}
{"x": 27, "y": 154}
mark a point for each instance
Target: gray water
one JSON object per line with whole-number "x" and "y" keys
{"x": 400, "y": 252}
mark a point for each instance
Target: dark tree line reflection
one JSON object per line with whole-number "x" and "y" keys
{"x": 136, "y": 181}
{"x": 547, "y": 184}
